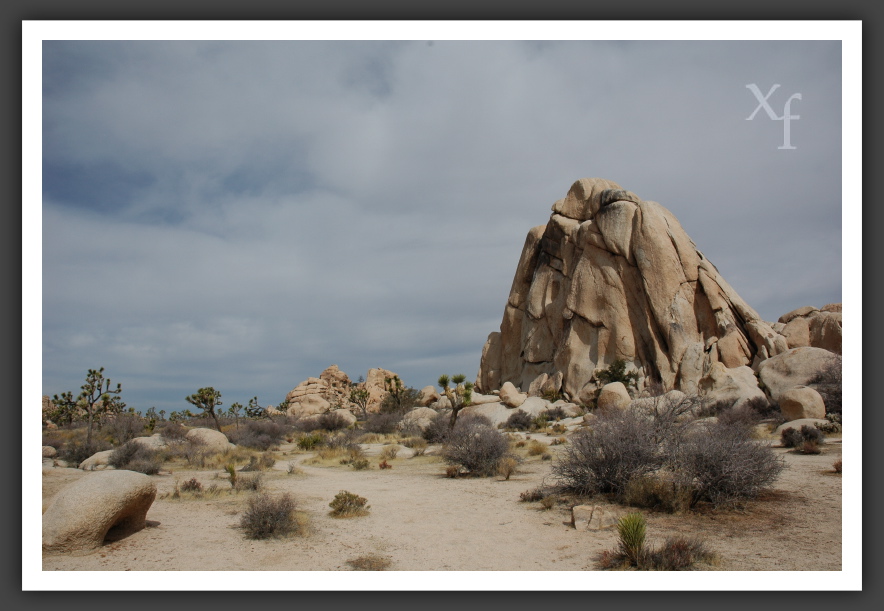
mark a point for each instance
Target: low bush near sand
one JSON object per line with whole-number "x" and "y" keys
{"x": 476, "y": 446}
{"x": 271, "y": 516}
{"x": 370, "y": 563}
{"x": 347, "y": 505}
{"x": 132, "y": 456}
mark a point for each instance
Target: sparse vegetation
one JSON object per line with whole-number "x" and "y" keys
{"x": 828, "y": 383}
{"x": 370, "y": 563}
{"x": 459, "y": 397}
{"x": 616, "y": 372}
{"x": 507, "y": 466}
{"x": 390, "y": 452}
{"x": 347, "y": 505}
{"x": 259, "y": 434}
{"x": 383, "y": 424}
{"x": 264, "y": 461}
{"x": 132, "y": 456}
{"x": 206, "y": 399}
{"x": 836, "y": 466}
{"x": 807, "y": 438}
{"x": 475, "y": 445}
{"x": 271, "y": 516}
{"x": 519, "y": 421}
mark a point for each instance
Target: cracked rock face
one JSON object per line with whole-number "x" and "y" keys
{"x": 609, "y": 277}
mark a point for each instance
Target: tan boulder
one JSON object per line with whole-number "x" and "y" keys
{"x": 801, "y": 402}
{"x": 535, "y": 389}
{"x": 110, "y": 504}
{"x": 797, "y": 312}
{"x": 377, "y": 385}
{"x": 420, "y": 417}
{"x": 825, "y": 331}
{"x": 49, "y": 452}
{"x": 593, "y": 517}
{"x": 479, "y": 399}
{"x": 308, "y": 405}
{"x": 154, "y": 442}
{"x": 831, "y": 307}
{"x": 96, "y": 462}
{"x": 210, "y": 439}
{"x": 735, "y": 386}
{"x": 497, "y": 413}
{"x": 534, "y": 406}
{"x": 346, "y": 414}
{"x": 794, "y": 367}
{"x": 429, "y": 394}
{"x": 614, "y": 396}
{"x": 510, "y": 395}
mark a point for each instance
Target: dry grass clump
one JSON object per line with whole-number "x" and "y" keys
{"x": 262, "y": 462}
{"x": 658, "y": 492}
{"x": 677, "y": 553}
{"x": 192, "y": 489}
{"x": 507, "y": 466}
{"x": 272, "y": 516}
{"x": 390, "y": 452}
{"x": 536, "y": 448}
{"x": 370, "y": 563}
{"x": 418, "y": 445}
{"x": 548, "y": 502}
{"x": 836, "y": 467}
{"x": 348, "y": 505}
{"x": 559, "y": 441}
{"x": 533, "y": 495}
{"x": 361, "y": 464}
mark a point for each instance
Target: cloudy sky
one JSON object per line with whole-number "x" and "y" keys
{"x": 244, "y": 214}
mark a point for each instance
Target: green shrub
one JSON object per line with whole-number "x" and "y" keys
{"x": 347, "y": 504}
{"x": 631, "y": 536}
{"x": 310, "y": 441}
{"x": 616, "y": 372}
{"x": 268, "y": 516}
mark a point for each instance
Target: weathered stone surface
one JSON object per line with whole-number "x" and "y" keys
{"x": 593, "y": 517}
{"x": 211, "y": 440}
{"x": 82, "y": 515}
{"x": 346, "y": 414}
{"x": 154, "y": 442}
{"x": 96, "y": 462}
{"x": 614, "y": 277}
{"x": 614, "y": 396}
{"x": 511, "y": 396}
{"x": 49, "y": 452}
{"x": 808, "y": 326}
{"x": 479, "y": 399}
{"x": 831, "y": 307}
{"x": 801, "y": 402}
{"x": 795, "y": 367}
{"x": 735, "y": 386}
{"x": 497, "y": 413}
{"x": 802, "y": 311}
{"x": 429, "y": 394}
{"x": 420, "y": 417}
{"x": 825, "y": 331}
{"x": 534, "y": 406}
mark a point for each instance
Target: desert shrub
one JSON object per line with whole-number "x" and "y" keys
{"x": 808, "y": 446}
{"x": 558, "y": 441}
{"x": 307, "y": 424}
{"x": 452, "y": 471}
{"x": 76, "y": 451}
{"x": 310, "y": 441}
{"x": 678, "y": 553}
{"x": 619, "y": 447}
{"x": 529, "y": 496}
{"x": 123, "y": 427}
{"x": 260, "y": 463}
{"x": 382, "y": 423}
{"x": 249, "y": 482}
{"x": 540, "y": 422}
{"x": 475, "y": 445}
{"x": 370, "y": 563}
{"x": 390, "y": 452}
{"x": 507, "y": 466}
{"x": 829, "y": 427}
{"x": 400, "y": 401}
{"x": 556, "y": 413}
{"x": 438, "y": 429}
{"x": 259, "y": 434}
{"x": 742, "y": 415}
{"x": 653, "y": 491}
{"x": 616, "y": 372}
{"x": 828, "y": 383}
{"x": 192, "y": 485}
{"x": 347, "y": 504}
{"x": 173, "y": 430}
{"x": 360, "y": 464}
{"x": 792, "y": 438}
{"x": 548, "y": 502}
{"x": 332, "y": 421}
{"x": 836, "y": 466}
{"x": 414, "y": 442}
{"x": 384, "y": 465}
{"x": 714, "y": 408}
{"x": 723, "y": 464}
{"x": 764, "y": 407}
{"x": 268, "y": 516}
{"x": 519, "y": 421}
{"x": 132, "y": 456}
{"x": 558, "y": 429}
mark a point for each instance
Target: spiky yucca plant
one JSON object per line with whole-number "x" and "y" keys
{"x": 631, "y": 529}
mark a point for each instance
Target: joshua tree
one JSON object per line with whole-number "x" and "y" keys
{"x": 460, "y": 396}
{"x": 359, "y": 398}
{"x": 234, "y": 410}
{"x": 207, "y": 399}
{"x": 94, "y": 399}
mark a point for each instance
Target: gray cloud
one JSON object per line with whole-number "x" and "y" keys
{"x": 244, "y": 214}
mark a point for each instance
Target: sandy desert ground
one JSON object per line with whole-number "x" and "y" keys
{"x": 421, "y": 520}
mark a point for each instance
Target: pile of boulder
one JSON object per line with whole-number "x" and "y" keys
{"x": 331, "y": 391}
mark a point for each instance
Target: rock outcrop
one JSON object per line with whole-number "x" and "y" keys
{"x": 331, "y": 390}
{"x": 809, "y": 326}
{"x": 793, "y": 368}
{"x": 110, "y": 504}
{"x": 614, "y": 277}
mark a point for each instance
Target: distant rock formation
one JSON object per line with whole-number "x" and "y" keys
{"x": 331, "y": 390}
{"x": 609, "y": 277}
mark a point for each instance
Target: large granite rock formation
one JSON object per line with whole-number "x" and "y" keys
{"x": 332, "y": 389}
{"x": 614, "y": 277}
